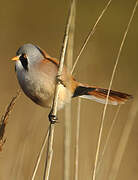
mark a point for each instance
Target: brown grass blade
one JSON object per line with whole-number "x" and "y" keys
{"x": 90, "y": 34}
{"x": 123, "y": 141}
{"x": 111, "y": 81}
{"x": 40, "y": 155}
{"x": 5, "y": 118}
{"x": 108, "y": 138}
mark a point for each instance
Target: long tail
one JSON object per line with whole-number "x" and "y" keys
{"x": 100, "y": 94}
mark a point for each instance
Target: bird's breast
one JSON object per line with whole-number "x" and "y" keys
{"x": 40, "y": 86}
{"x": 37, "y": 86}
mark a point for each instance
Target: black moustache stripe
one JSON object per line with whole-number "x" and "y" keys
{"x": 24, "y": 62}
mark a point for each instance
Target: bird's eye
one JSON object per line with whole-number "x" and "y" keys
{"x": 24, "y": 61}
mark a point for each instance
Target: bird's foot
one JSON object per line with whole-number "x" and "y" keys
{"x": 59, "y": 80}
{"x": 52, "y": 118}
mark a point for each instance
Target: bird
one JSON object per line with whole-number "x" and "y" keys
{"x": 37, "y": 75}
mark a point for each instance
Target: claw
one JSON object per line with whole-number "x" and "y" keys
{"x": 52, "y": 118}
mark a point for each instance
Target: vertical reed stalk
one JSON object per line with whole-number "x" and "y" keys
{"x": 49, "y": 154}
{"x": 111, "y": 81}
{"x": 92, "y": 31}
{"x": 108, "y": 138}
{"x": 123, "y": 142}
{"x": 76, "y": 61}
{"x": 67, "y": 121}
{"x": 40, "y": 156}
{"x": 55, "y": 100}
{"x": 77, "y": 141}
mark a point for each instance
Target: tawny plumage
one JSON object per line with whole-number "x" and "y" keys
{"x": 36, "y": 73}
{"x": 100, "y": 94}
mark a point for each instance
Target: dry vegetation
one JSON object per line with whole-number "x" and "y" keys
{"x": 86, "y": 144}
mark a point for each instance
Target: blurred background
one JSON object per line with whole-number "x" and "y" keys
{"x": 43, "y": 23}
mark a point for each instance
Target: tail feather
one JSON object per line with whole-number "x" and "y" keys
{"x": 100, "y": 94}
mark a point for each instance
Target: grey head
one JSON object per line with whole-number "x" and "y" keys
{"x": 29, "y": 54}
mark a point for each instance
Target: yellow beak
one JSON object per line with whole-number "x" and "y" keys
{"x": 16, "y": 58}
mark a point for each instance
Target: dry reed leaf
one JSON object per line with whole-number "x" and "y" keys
{"x": 110, "y": 85}
{"x": 5, "y": 118}
{"x": 92, "y": 31}
{"x": 123, "y": 141}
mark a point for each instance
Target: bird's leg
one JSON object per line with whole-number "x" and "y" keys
{"x": 52, "y": 118}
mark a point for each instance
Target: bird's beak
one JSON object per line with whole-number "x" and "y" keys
{"x": 16, "y": 58}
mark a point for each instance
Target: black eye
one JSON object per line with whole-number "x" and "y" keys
{"x": 24, "y": 61}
